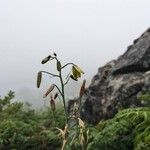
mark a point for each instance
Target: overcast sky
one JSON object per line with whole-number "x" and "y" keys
{"x": 86, "y": 32}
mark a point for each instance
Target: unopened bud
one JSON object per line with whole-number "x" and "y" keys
{"x": 45, "y": 60}
{"x": 39, "y": 78}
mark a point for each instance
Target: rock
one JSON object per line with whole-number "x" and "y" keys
{"x": 118, "y": 83}
{"x": 136, "y": 58}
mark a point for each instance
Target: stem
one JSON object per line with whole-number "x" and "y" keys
{"x": 53, "y": 117}
{"x": 67, "y": 65}
{"x": 50, "y": 73}
{"x": 63, "y": 95}
{"x": 58, "y": 89}
{"x": 66, "y": 81}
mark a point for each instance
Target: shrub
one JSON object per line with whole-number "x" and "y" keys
{"x": 129, "y": 129}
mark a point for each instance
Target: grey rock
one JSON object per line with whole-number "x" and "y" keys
{"x": 118, "y": 83}
{"x": 136, "y": 58}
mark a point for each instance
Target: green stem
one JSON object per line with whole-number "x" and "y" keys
{"x": 63, "y": 96}
{"x": 54, "y": 75}
{"x": 67, "y": 65}
{"x": 53, "y": 117}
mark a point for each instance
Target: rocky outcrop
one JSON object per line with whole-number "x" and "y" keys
{"x": 118, "y": 84}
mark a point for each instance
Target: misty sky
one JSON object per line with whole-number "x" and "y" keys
{"x": 86, "y": 32}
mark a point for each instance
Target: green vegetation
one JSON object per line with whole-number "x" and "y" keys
{"x": 145, "y": 98}
{"x": 129, "y": 129}
{"x": 22, "y": 127}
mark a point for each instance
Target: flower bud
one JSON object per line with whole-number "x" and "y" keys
{"x": 39, "y": 78}
{"x": 45, "y": 60}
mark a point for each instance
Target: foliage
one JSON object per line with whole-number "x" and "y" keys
{"x": 145, "y": 98}
{"x": 129, "y": 129}
{"x": 21, "y": 127}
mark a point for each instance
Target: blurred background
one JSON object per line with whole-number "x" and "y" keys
{"x": 86, "y": 32}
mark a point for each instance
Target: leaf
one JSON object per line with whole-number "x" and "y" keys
{"x": 62, "y": 132}
{"x": 58, "y": 66}
{"x": 64, "y": 143}
{"x": 65, "y": 129}
{"x": 49, "y": 90}
{"x": 86, "y": 136}
{"x": 81, "y": 123}
{"x": 39, "y": 79}
{"x": 82, "y": 140}
{"x": 45, "y": 60}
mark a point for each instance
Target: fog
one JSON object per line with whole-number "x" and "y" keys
{"x": 86, "y": 32}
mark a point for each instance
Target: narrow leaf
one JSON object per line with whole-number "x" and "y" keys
{"x": 81, "y": 123}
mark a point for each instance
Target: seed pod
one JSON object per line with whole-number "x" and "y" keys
{"x": 82, "y": 89}
{"x": 72, "y": 77}
{"x": 56, "y": 95}
{"x": 58, "y": 66}
{"x": 45, "y": 60}
{"x": 52, "y": 103}
{"x": 39, "y": 79}
{"x": 49, "y": 90}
